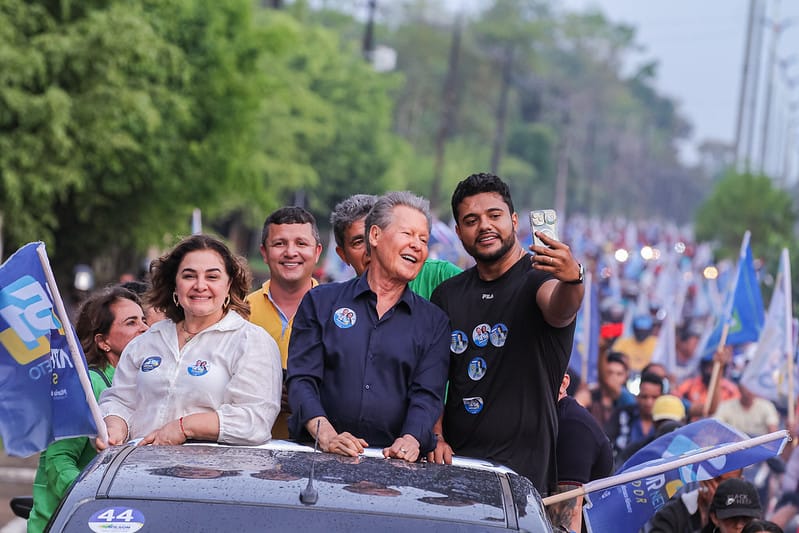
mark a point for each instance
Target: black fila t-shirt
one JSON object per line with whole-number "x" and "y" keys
{"x": 506, "y": 366}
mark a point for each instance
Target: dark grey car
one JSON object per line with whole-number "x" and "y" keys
{"x": 234, "y": 489}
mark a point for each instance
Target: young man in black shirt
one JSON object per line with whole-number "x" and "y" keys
{"x": 517, "y": 312}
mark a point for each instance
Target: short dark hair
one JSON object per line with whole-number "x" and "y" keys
{"x": 651, "y": 377}
{"x": 95, "y": 317}
{"x": 617, "y": 357}
{"x": 348, "y": 211}
{"x": 290, "y": 215}
{"x": 759, "y": 526}
{"x": 138, "y": 287}
{"x": 480, "y": 183}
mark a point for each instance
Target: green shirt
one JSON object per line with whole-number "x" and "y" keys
{"x": 60, "y": 464}
{"x": 433, "y": 272}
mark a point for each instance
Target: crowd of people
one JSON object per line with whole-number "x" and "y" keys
{"x": 411, "y": 355}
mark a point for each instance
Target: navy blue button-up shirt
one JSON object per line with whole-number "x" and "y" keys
{"x": 378, "y": 379}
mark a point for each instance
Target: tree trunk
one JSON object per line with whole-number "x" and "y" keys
{"x": 449, "y": 101}
{"x": 502, "y": 110}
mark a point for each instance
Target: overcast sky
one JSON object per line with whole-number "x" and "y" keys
{"x": 699, "y": 45}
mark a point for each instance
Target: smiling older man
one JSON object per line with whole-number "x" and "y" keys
{"x": 368, "y": 358}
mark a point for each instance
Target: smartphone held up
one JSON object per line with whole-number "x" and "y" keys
{"x": 545, "y": 221}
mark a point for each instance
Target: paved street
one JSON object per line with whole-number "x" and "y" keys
{"x": 16, "y": 479}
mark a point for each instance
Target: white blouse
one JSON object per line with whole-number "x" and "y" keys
{"x": 231, "y": 368}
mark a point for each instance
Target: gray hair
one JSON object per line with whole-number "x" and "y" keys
{"x": 348, "y": 211}
{"x": 382, "y": 214}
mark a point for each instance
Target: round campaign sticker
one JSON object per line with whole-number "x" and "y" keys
{"x": 473, "y": 405}
{"x": 116, "y": 519}
{"x": 477, "y": 368}
{"x": 459, "y": 342}
{"x": 498, "y": 335}
{"x": 344, "y": 317}
{"x": 151, "y": 363}
{"x": 480, "y": 334}
{"x": 199, "y": 368}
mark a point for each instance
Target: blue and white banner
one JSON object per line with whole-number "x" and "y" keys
{"x": 699, "y": 451}
{"x": 41, "y": 397}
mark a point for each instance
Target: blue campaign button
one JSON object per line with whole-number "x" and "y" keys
{"x": 473, "y": 405}
{"x": 477, "y": 368}
{"x": 151, "y": 363}
{"x": 344, "y": 317}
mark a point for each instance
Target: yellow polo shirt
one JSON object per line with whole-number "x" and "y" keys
{"x": 265, "y": 313}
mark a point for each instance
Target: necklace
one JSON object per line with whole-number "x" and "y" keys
{"x": 189, "y": 334}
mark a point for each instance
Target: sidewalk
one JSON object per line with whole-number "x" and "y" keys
{"x": 16, "y": 525}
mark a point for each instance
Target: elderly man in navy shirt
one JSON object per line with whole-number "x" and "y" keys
{"x": 368, "y": 358}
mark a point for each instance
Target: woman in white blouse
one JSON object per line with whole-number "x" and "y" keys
{"x": 205, "y": 373}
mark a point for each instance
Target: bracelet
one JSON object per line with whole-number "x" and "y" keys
{"x": 182, "y": 429}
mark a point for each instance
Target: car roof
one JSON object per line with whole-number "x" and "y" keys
{"x": 469, "y": 492}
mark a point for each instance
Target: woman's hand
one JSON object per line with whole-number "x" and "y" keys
{"x": 170, "y": 433}
{"x": 117, "y": 433}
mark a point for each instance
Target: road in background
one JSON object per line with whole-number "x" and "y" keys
{"x": 16, "y": 479}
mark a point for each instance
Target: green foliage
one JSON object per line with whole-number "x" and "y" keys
{"x": 741, "y": 202}
{"x": 118, "y": 118}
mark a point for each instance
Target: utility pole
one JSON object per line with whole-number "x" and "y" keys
{"x": 754, "y": 85}
{"x": 368, "y": 35}
{"x": 776, "y": 29}
{"x": 744, "y": 85}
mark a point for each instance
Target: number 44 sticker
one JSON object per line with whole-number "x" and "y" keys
{"x": 116, "y": 519}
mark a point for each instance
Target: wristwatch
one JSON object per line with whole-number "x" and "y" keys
{"x": 580, "y": 276}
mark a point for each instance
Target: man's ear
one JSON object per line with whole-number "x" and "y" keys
{"x": 374, "y": 234}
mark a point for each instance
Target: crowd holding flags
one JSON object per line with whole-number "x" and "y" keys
{"x": 771, "y": 369}
{"x": 45, "y": 393}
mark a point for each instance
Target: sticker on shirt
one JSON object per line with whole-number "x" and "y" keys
{"x": 151, "y": 363}
{"x": 477, "y": 368}
{"x": 344, "y": 317}
{"x": 473, "y": 405}
{"x": 459, "y": 342}
{"x": 480, "y": 334}
{"x": 199, "y": 368}
{"x": 116, "y": 519}
{"x": 498, "y": 335}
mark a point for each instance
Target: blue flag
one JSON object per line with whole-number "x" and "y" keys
{"x": 584, "y": 358}
{"x": 41, "y": 398}
{"x": 718, "y": 449}
{"x": 769, "y": 368}
{"x": 743, "y": 308}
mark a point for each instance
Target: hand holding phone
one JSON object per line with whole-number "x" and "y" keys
{"x": 545, "y": 221}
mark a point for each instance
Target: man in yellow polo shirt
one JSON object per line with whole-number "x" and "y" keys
{"x": 290, "y": 247}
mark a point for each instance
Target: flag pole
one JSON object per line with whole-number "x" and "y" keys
{"x": 715, "y": 377}
{"x": 649, "y": 471}
{"x": 727, "y": 315}
{"x": 77, "y": 361}
{"x": 789, "y": 344}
